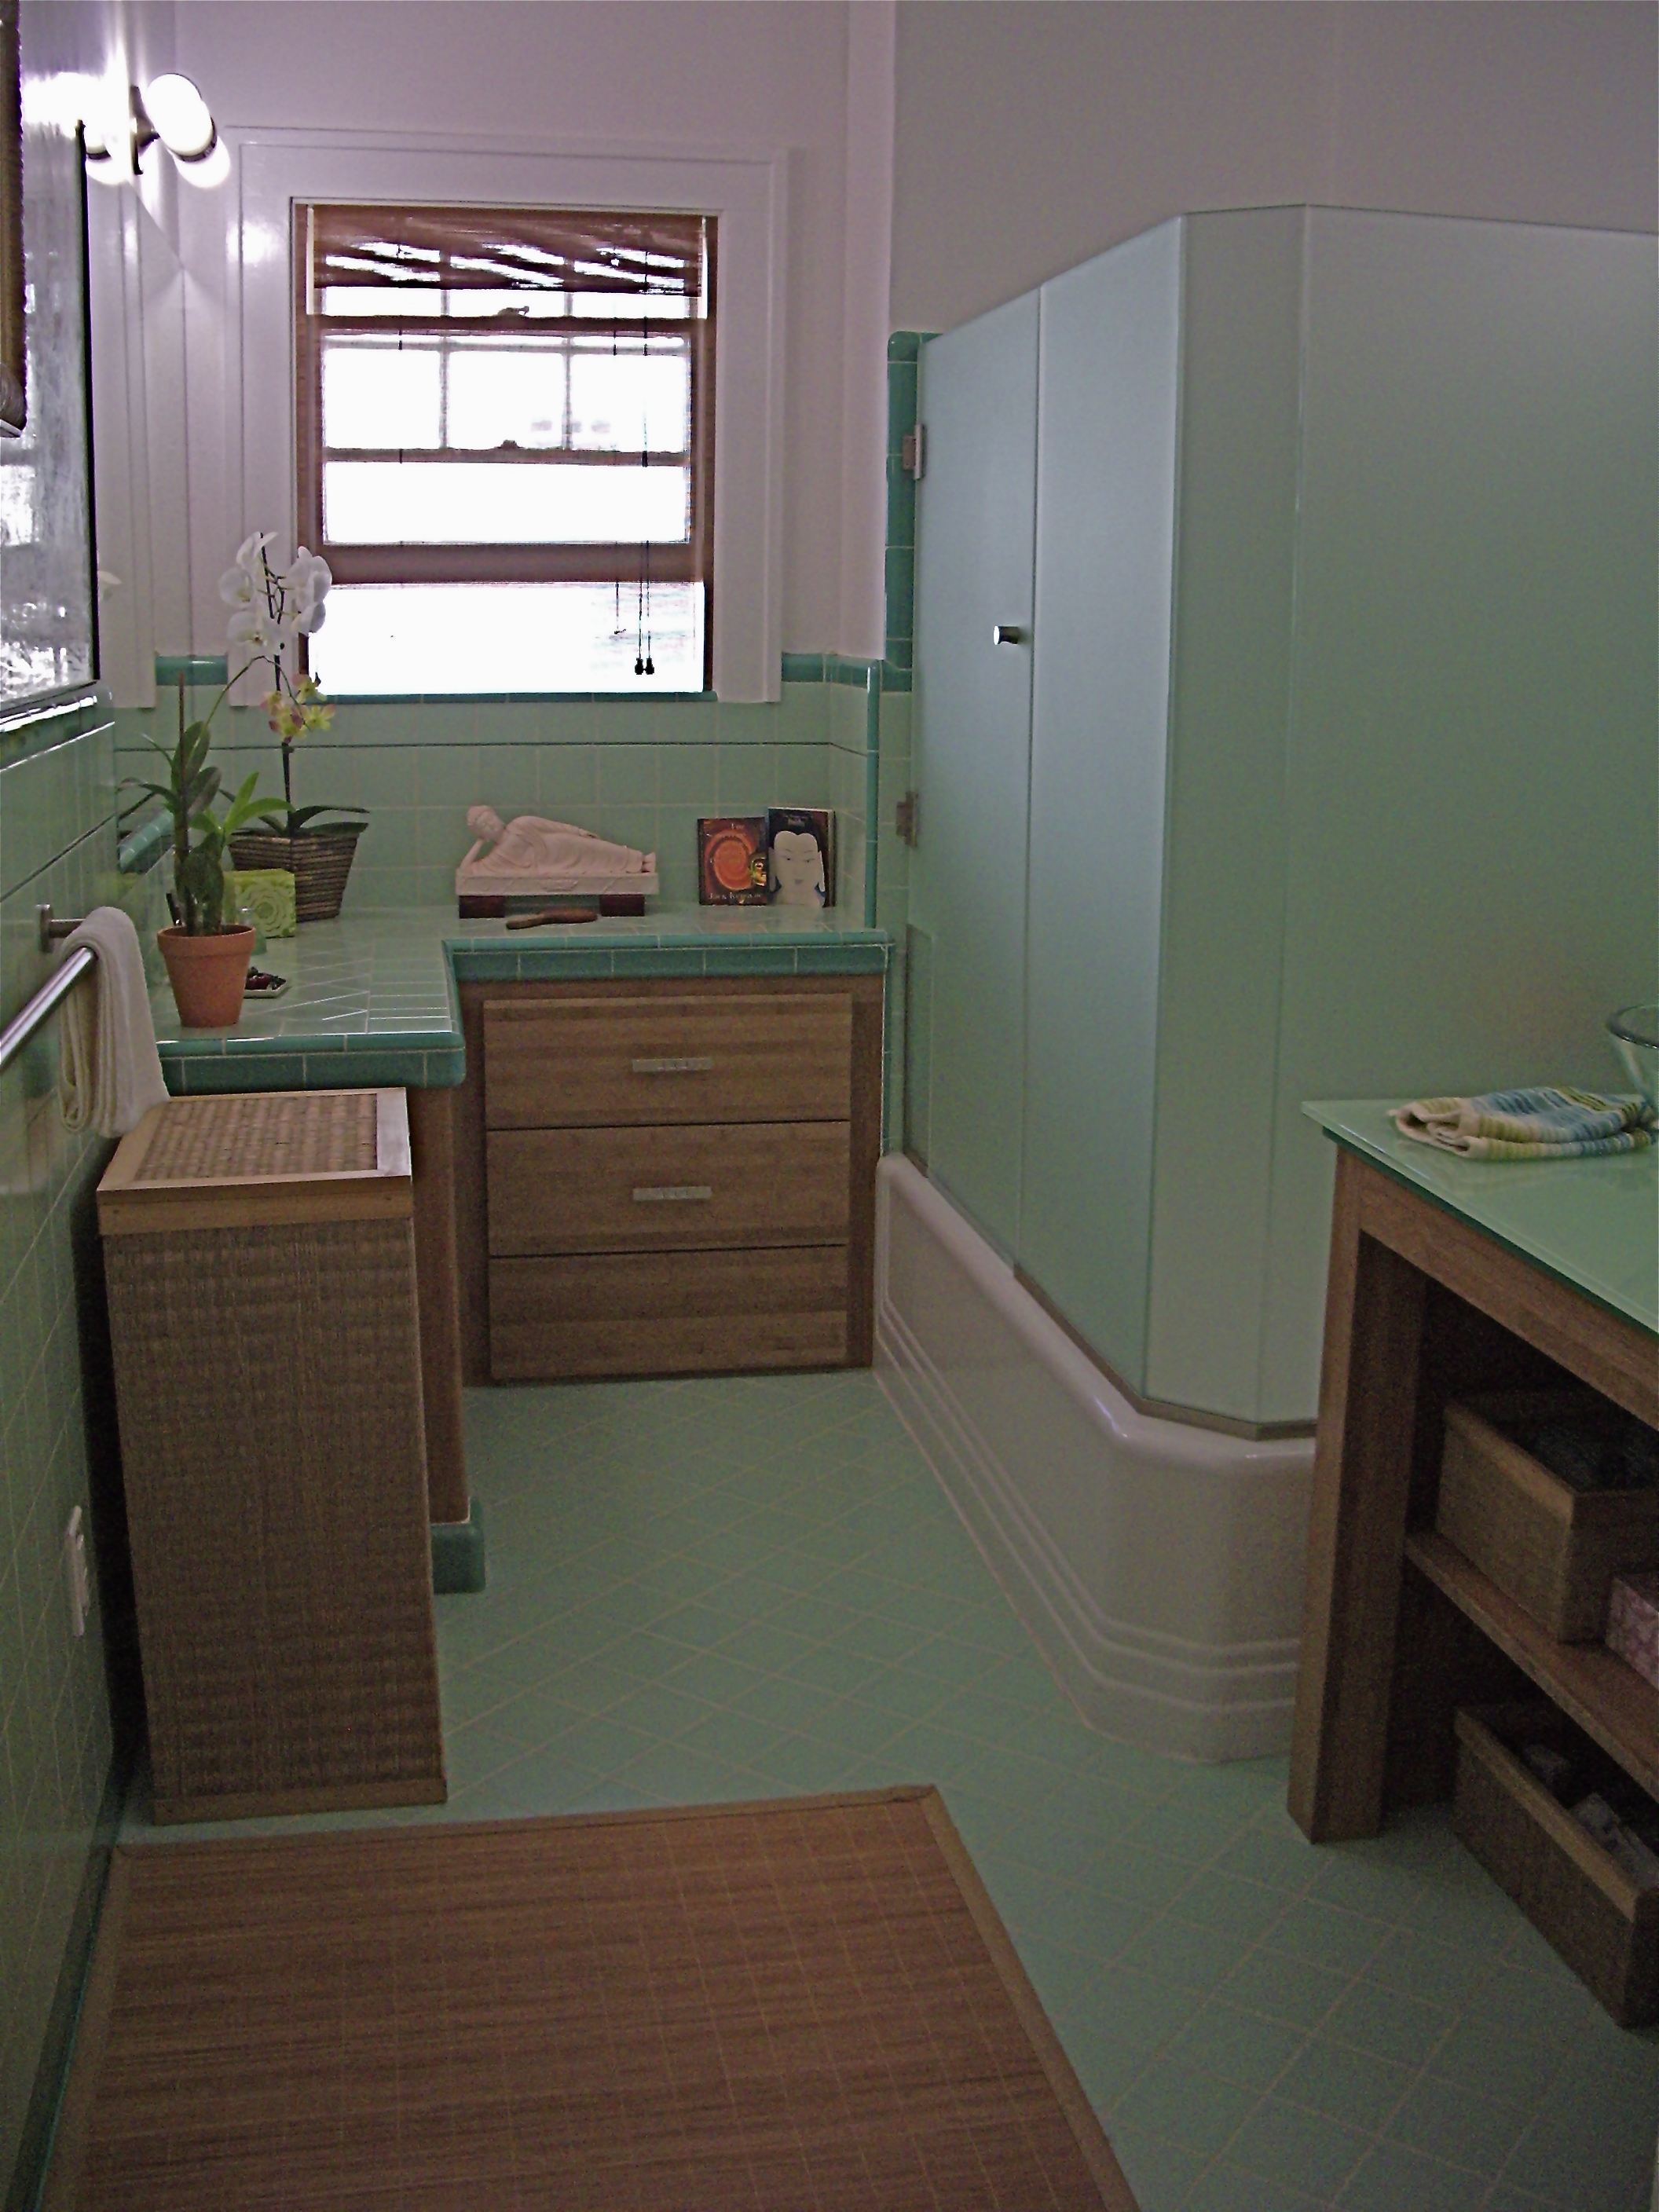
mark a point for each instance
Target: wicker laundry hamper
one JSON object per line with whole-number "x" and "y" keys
{"x": 260, "y": 1257}
{"x": 319, "y": 861}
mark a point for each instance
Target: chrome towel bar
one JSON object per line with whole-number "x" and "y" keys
{"x": 45, "y": 1001}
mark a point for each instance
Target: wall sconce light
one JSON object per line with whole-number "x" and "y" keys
{"x": 172, "y": 110}
{"x": 171, "y": 113}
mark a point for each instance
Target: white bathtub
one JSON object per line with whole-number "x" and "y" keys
{"x": 1157, "y": 1565}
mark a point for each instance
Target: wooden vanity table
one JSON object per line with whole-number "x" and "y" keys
{"x": 1449, "y": 1276}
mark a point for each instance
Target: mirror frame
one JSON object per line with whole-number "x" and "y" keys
{"x": 14, "y": 411}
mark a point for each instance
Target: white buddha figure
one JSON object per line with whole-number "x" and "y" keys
{"x": 543, "y": 855}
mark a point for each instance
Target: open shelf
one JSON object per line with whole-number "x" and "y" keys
{"x": 1608, "y": 1700}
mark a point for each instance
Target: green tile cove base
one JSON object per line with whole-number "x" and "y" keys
{"x": 457, "y": 1554}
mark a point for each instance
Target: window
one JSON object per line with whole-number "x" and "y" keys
{"x": 505, "y": 444}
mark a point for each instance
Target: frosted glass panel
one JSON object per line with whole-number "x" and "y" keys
{"x": 539, "y": 306}
{"x": 497, "y": 503}
{"x": 508, "y": 637}
{"x": 1106, "y": 469}
{"x": 976, "y": 515}
{"x": 609, "y": 394}
{"x": 380, "y": 396}
{"x": 626, "y": 404}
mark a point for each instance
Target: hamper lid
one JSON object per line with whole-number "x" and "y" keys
{"x": 261, "y": 1158}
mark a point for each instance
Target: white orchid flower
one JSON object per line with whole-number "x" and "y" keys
{"x": 236, "y": 587}
{"x": 251, "y": 627}
{"x": 248, "y": 552}
{"x": 308, "y": 581}
{"x": 312, "y": 619}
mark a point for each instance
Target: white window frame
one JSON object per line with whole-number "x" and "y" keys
{"x": 748, "y": 194}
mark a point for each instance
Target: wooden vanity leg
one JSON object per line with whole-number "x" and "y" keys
{"x": 432, "y": 1141}
{"x": 1362, "y": 1482}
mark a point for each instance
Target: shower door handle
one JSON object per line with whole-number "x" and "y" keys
{"x": 1007, "y": 634}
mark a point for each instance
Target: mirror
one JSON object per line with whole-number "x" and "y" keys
{"x": 12, "y": 351}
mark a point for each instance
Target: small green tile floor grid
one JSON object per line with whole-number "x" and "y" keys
{"x": 716, "y": 1590}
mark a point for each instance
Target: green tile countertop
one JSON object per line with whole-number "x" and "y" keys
{"x": 371, "y": 998}
{"x": 1593, "y": 1224}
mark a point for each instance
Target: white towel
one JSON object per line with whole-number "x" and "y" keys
{"x": 109, "y": 1072}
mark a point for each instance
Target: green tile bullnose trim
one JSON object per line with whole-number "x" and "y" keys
{"x": 374, "y": 999}
{"x": 196, "y": 671}
{"x": 137, "y": 855}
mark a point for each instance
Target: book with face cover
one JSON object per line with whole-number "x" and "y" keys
{"x": 800, "y": 856}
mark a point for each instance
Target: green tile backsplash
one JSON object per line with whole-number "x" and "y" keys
{"x": 640, "y": 771}
{"x": 58, "y": 1731}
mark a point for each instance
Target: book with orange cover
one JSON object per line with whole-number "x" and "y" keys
{"x": 732, "y": 859}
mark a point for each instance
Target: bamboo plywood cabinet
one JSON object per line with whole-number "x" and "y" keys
{"x": 1424, "y": 1308}
{"x": 667, "y": 1177}
{"x": 260, "y": 1257}
{"x": 610, "y": 1314}
{"x": 432, "y": 1139}
{"x": 769, "y": 1056}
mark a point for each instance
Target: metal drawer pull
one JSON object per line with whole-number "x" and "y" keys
{"x": 694, "y": 1063}
{"x": 655, "y": 1194}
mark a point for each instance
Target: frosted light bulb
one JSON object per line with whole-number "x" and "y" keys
{"x": 211, "y": 169}
{"x": 183, "y": 122}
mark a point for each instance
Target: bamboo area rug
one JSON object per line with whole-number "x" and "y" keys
{"x": 805, "y": 2003}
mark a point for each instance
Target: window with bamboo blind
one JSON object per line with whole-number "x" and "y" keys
{"x": 505, "y": 422}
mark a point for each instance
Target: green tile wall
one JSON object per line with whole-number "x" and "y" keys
{"x": 903, "y": 352}
{"x": 640, "y": 771}
{"x": 58, "y": 1733}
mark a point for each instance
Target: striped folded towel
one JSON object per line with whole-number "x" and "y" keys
{"x": 1529, "y": 1125}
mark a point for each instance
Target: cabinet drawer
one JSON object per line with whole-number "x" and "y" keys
{"x": 667, "y": 1313}
{"x": 667, "y": 1189}
{"x": 572, "y": 1063}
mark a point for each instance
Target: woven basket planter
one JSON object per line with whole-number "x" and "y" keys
{"x": 319, "y": 860}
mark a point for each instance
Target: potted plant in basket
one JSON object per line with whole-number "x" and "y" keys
{"x": 206, "y": 957}
{"x": 270, "y": 613}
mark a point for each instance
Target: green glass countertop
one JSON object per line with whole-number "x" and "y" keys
{"x": 372, "y": 998}
{"x": 1593, "y": 1223}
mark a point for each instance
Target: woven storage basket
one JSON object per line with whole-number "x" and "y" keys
{"x": 319, "y": 860}
{"x": 1555, "y": 1551}
{"x": 1573, "y": 1890}
{"x": 260, "y": 1256}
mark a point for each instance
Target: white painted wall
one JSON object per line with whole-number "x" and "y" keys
{"x": 1031, "y": 135}
{"x": 705, "y": 77}
{"x": 940, "y": 158}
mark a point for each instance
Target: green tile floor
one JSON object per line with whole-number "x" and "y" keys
{"x": 736, "y": 1589}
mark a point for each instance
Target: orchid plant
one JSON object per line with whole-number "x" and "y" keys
{"x": 191, "y": 786}
{"x": 271, "y": 612}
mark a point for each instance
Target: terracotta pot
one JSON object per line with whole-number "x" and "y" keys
{"x": 208, "y": 975}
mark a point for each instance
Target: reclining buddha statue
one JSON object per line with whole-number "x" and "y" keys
{"x": 529, "y": 854}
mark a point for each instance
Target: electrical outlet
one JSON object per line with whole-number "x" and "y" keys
{"x": 75, "y": 1572}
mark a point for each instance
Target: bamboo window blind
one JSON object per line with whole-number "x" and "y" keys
{"x": 509, "y": 397}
